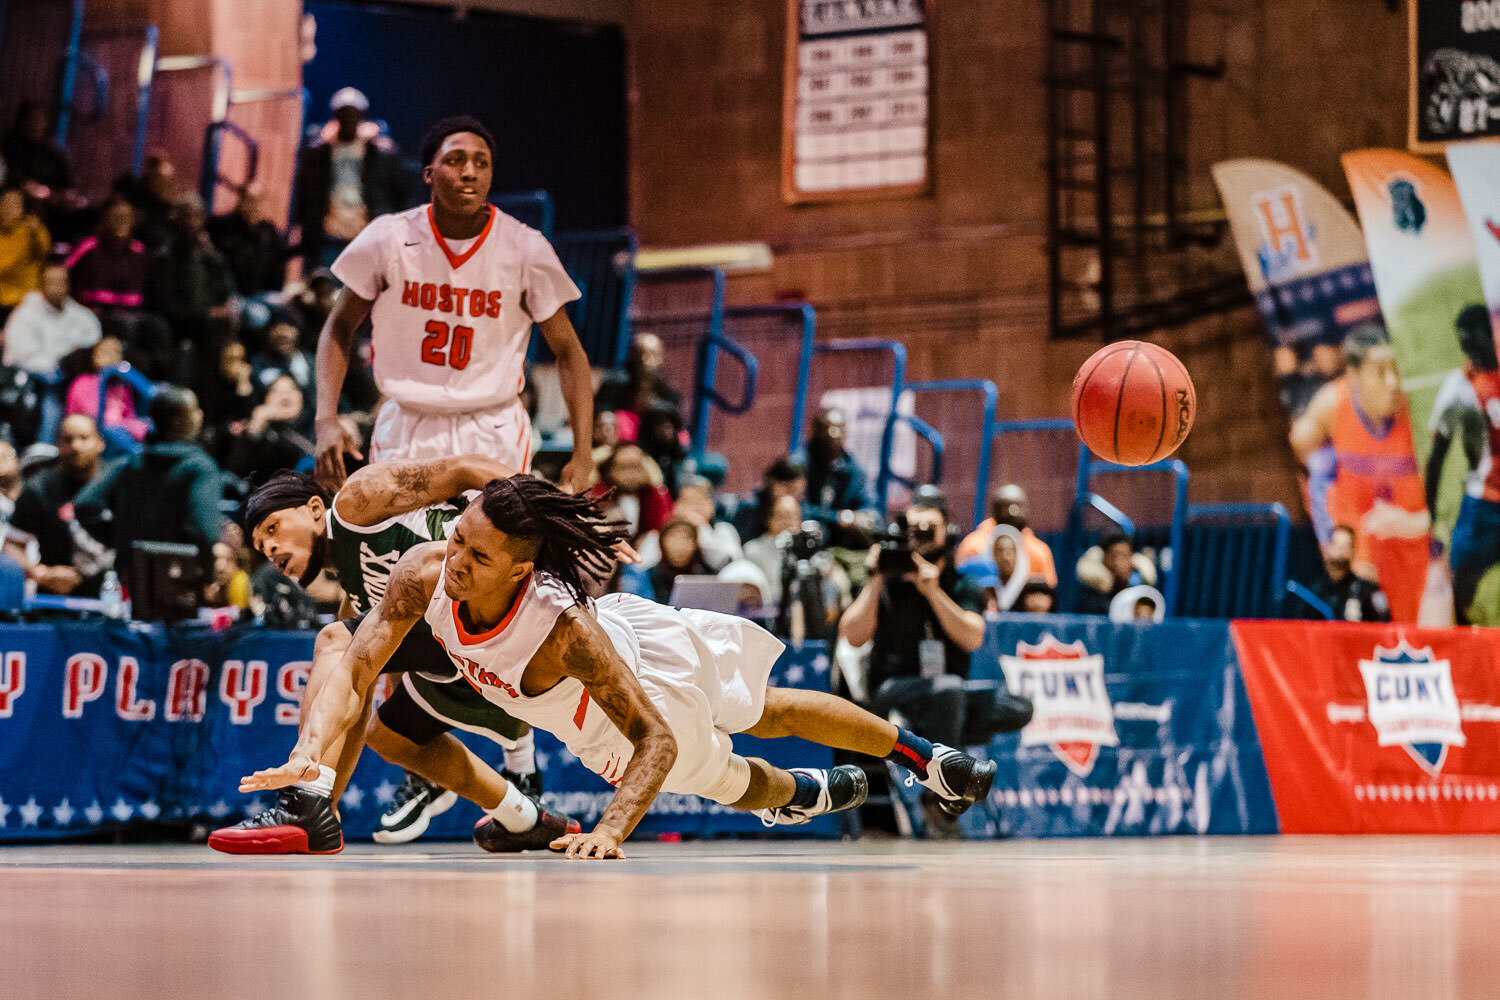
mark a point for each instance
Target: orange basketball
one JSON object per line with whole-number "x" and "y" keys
{"x": 1133, "y": 403}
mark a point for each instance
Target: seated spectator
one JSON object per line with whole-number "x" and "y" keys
{"x": 1008, "y": 505}
{"x": 48, "y": 325}
{"x": 45, "y": 328}
{"x": 24, "y": 244}
{"x": 631, "y": 390}
{"x": 1350, "y": 597}
{"x": 642, "y": 503}
{"x": 229, "y": 398}
{"x": 107, "y": 272}
{"x": 71, "y": 562}
{"x": 313, "y": 300}
{"x": 272, "y": 438}
{"x": 169, "y": 492}
{"x": 33, "y": 160}
{"x": 1037, "y": 598}
{"x": 718, "y": 542}
{"x": 108, "y": 269}
{"x": 662, "y": 436}
{"x": 17, "y": 547}
{"x": 191, "y": 285}
{"x": 119, "y": 400}
{"x": 768, "y": 551}
{"x": 252, "y": 244}
{"x": 836, "y": 484}
{"x": 153, "y": 193}
{"x": 754, "y": 589}
{"x": 1140, "y": 604}
{"x": 1005, "y": 574}
{"x": 784, "y": 477}
{"x": 606, "y": 435}
{"x": 283, "y": 356}
{"x": 680, "y": 556}
{"x": 1108, "y": 568}
{"x": 230, "y": 585}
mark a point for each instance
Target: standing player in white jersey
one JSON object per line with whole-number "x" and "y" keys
{"x": 452, "y": 289}
{"x": 645, "y": 695}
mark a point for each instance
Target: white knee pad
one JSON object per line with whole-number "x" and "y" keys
{"x": 732, "y": 783}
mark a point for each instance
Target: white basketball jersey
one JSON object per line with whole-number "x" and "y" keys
{"x": 494, "y": 662}
{"x": 452, "y": 319}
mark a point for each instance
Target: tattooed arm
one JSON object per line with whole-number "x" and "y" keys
{"x": 343, "y": 695}
{"x": 578, "y": 647}
{"x": 386, "y": 489}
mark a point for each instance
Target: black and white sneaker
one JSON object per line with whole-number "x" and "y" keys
{"x": 958, "y": 779}
{"x": 844, "y": 787}
{"x": 529, "y": 783}
{"x": 416, "y": 803}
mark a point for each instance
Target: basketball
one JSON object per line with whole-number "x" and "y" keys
{"x": 1133, "y": 403}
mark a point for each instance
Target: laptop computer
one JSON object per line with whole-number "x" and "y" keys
{"x": 707, "y": 593}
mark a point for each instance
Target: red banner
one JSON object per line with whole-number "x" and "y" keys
{"x": 1376, "y": 728}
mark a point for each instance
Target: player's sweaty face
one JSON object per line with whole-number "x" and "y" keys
{"x": 478, "y": 560}
{"x": 461, "y": 173}
{"x": 286, "y": 539}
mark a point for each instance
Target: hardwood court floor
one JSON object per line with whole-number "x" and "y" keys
{"x": 1398, "y": 918}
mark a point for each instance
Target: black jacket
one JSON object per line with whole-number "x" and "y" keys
{"x": 380, "y": 176}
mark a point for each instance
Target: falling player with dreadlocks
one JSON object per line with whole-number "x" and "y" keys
{"x": 382, "y": 511}
{"x": 645, "y": 695}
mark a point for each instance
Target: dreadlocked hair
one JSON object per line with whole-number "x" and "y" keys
{"x": 574, "y": 539}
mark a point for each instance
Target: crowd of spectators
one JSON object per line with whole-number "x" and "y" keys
{"x": 156, "y": 355}
{"x": 157, "y": 360}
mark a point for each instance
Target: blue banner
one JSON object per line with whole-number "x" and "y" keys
{"x": 105, "y": 724}
{"x": 1139, "y": 729}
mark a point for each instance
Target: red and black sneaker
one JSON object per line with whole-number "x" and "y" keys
{"x": 301, "y": 822}
{"x": 490, "y": 835}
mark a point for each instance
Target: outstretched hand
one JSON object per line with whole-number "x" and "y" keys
{"x": 301, "y": 766}
{"x": 601, "y": 844}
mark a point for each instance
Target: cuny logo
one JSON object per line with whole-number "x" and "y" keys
{"x": 1289, "y": 246}
{"x": 1073, "y": 715}
{"x": 1411, "y": 703}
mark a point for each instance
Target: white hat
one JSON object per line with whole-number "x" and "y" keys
{"x": 745, "y": 571}
{"x": 349, "y": 98}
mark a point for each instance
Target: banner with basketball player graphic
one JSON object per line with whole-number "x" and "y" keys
{"x": 1306, "y": 264}
{"x": 1426, "y": 274}
{"x": 1376, "y": 728}
{"x": 1136, "y": 730}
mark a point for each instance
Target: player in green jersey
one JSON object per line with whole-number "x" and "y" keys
{"x": 382, "y": 511}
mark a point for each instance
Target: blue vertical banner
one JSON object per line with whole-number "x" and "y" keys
{"x": 1138, "y": 730}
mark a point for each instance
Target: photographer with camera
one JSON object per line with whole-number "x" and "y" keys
{"x": 923, "y": 618}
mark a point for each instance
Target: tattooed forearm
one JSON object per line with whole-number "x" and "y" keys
{"x": 589, "y": 656}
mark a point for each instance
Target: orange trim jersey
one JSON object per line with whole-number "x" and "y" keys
{"x": 705, "y": 673}
{"x": 452, "y": 318}
{"x": 1380, "y": 466}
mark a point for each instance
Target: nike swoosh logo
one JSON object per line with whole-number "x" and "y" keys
{"x": 413, "y": 243}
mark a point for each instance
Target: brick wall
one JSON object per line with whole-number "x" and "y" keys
{"x": 960, "y": 275}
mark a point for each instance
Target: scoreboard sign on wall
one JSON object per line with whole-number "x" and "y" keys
{"x": 1455, "y": 71}
{"x": 856, "y": 100}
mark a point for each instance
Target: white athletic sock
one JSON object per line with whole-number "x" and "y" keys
{"x": 323, "y": 785}
{"x": 516, "y": 812}
{"x": 522, "y": 760}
